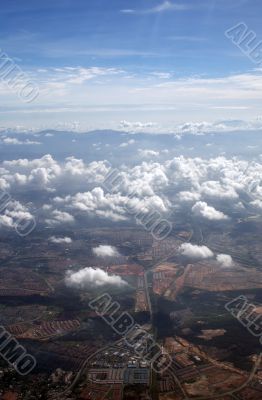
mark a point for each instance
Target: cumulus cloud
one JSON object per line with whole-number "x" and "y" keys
{"x": 218, "y": 190}
{"x": 129, "y": 142}
{"x": 130, "y": 198}
{"x": 60, "y": 240}
{"x": 148, "y": 153}
{"x": 202, "y": 209}
{"x": 60, "y": 217}
{"x": 97, "y": 202}
{"x": 92, "y": 277}
{"x": 225, "y": 260}
{"x": 188, "y": 196}
{"x": 195, "y": 251}
{"x": 75, "y": 187}
{"x": 48, "y": 174}
{"x": 203, "y": 127}
{"x": 4, "y": 185}
{"x": 105, "y": 251}
{"x": 257, "y": 203}
{"x": 15, "y": 213}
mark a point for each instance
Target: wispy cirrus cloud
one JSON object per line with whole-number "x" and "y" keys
{"x": 162, "y": 7}
{"x": 112, "y": 90}
{"x": 74, "y": 75}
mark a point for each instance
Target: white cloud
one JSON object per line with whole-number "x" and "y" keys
{"x": 135, "y": 193}
{"x": 136, "y": 126}
{"x": 257, "y": 203}
{"x": 225, "y": 260}
{"x": 60, "y": 217}
{"x": 202, "y": 209}
{"x": 129, "y": 142}
{"x": 4, "y": 185}
{"x": 74, "y": 187}
{"x": 46, "y": 173}
{"x": 218, "y": 190}
{"x": 15, "y": 141}
{"x": 92, "y": 277}
{"x": 79, "y": 75}
{"x": 105, "y": 251}
{"x": 60, "y": 240}
{"x": 188, "y": 196}
{"x": 230, "y": 97}
{"x": 14, "y": 214}
{"x": 96, "y": 202}
{"x": 7, "y": 221}
{"x": 148, "y": 153}
{"x": 195, "y": 251}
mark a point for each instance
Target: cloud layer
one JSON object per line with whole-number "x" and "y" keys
{"x": 210, "y": 188}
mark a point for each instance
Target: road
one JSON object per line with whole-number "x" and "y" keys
{"x": 85, "y": 365}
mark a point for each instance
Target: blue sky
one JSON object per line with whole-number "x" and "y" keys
{"x": 100, "y": 62}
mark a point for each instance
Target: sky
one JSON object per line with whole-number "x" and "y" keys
{"x": 150, "y": 65}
